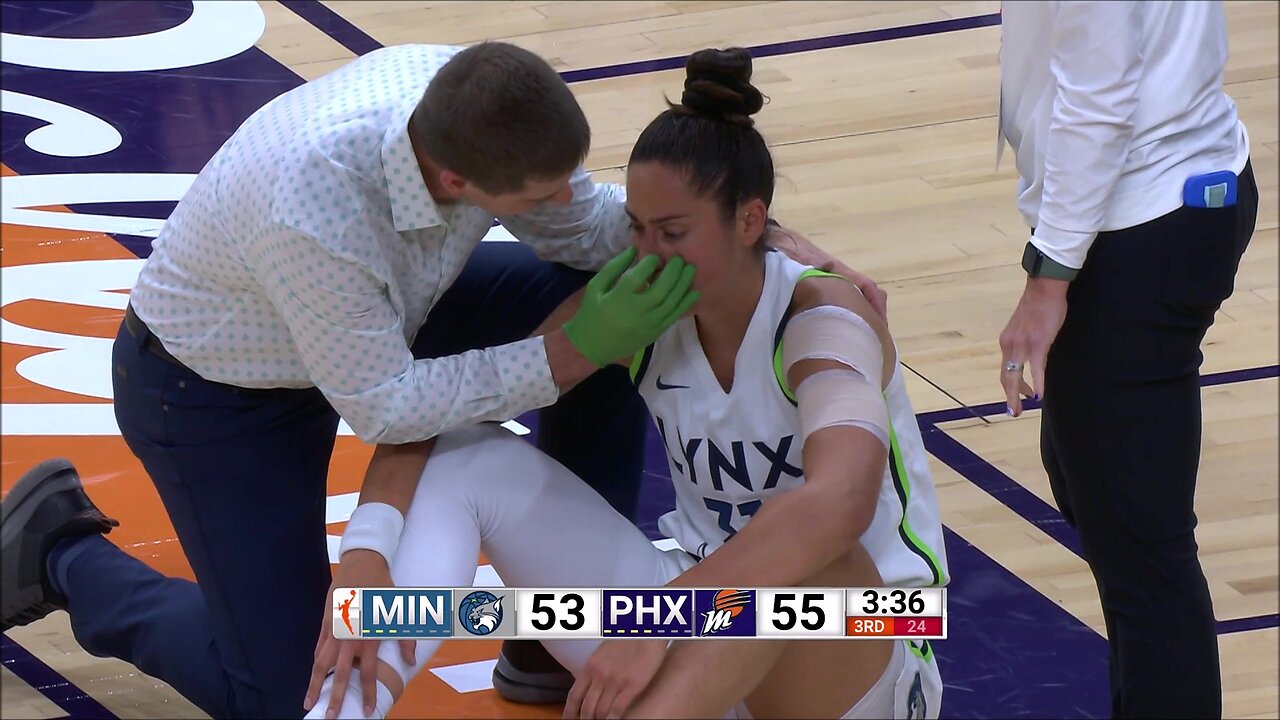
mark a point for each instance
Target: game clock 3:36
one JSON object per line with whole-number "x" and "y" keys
{"x": 890, "y": 601}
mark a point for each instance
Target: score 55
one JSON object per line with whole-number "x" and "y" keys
{"x": 800, "y": 612}
{"x": 566, "y": 613}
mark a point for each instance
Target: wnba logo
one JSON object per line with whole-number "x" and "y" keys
{"x": 343, "y": 608}
{"x": 401, "y": 612}
{"x": 726, "y": 612}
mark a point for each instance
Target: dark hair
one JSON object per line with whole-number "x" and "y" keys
{"x": 710, "y": 135}
{"x": 499, "y": 115}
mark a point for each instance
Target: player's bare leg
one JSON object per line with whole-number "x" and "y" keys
{"x": 796, "y": 678}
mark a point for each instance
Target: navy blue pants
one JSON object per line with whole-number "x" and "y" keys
{"x": 1120, "y": 440}
{"x": 242, "y": 475}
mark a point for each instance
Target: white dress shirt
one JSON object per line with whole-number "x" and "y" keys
{"x": 1109, "y": 107}
{"x": 308, "y": 252}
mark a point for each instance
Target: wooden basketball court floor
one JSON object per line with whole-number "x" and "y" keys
{"x": 882, "y": 117}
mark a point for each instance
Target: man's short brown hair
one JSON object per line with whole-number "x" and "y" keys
{"x": 499, "y": 116}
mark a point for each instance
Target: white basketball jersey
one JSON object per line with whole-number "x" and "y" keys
{"x": 730, "y": 452}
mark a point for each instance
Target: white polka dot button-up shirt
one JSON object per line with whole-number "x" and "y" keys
{"x": 308, "y": 252}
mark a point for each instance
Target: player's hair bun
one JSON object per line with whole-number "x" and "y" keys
{"x": 718, "y": 83}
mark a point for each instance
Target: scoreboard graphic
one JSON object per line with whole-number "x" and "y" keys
{"x": 895, "y": 613}
{"x": 677, "y": 613}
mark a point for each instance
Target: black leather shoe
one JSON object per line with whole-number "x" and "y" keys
{"x": 45, "y": 506}
{"x": 526, "y": 673}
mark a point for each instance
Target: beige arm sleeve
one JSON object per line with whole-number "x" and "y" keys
{"x": 830, "y": 398}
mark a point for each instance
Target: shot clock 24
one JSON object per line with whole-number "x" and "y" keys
{"x": 919, "y": 613}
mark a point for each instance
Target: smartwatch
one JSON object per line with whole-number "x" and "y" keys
{"x": 1037, "y": 264}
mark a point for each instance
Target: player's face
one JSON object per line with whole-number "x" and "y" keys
{"x": 669, "y": 219}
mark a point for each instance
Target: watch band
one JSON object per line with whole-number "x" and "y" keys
{"x": 1037, "y": 264}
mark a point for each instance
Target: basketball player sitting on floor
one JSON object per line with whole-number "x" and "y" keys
{"x": 785, "y": 371}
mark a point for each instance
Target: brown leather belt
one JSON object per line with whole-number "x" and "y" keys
{"x": 137, "y": 328}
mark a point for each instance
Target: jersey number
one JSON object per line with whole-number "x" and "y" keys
{"x": 724, "y": 513}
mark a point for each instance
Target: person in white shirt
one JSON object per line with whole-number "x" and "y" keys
{"x": 324, "y": 265}
{"x": 1134, "y": 176}
{"x": 794, "y": 451}
{"x": 327, "y": 263}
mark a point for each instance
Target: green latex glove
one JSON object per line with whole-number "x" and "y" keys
{"x": 622, "y": 312}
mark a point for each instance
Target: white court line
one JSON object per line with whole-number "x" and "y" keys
{"x": 468, "y": 677}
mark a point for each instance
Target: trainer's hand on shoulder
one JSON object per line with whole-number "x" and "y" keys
{"x": 625, "y": 308}
{"x": 878, "y": 298}
{"x": 801, "y": 249}
{"x": 357, "y": 568}
{"x": 614, "y": 676}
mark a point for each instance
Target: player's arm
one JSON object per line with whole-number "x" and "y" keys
{"x": 837, "y": 352}
{"x": 368, "y": 544}
{"x": 389, "y": 483}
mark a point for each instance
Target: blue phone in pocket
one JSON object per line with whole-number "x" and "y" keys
{"x": 1211, "y": 190}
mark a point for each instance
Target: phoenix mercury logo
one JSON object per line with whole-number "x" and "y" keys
{"x": 728, "y": 604}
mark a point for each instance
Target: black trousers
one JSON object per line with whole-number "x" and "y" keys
{"x": 1121, "y": 443}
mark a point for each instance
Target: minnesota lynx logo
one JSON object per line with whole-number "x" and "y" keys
{"x": 726, "y": 612}
{"x": 484, "y": 613}
{"x": 481, "y": 612}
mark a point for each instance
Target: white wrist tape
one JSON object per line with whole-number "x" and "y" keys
{"x": 373, "y": 526}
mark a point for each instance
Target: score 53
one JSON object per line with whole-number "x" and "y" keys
{"x": 553, "y": 613}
